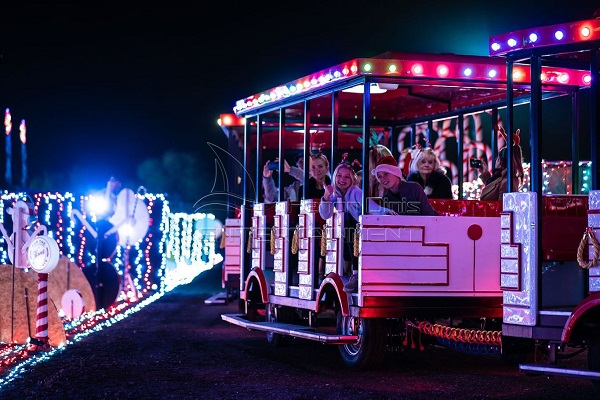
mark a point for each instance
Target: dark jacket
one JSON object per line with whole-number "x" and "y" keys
{"x": 410, "y": 200}
{"x": 312, "y": 192}
{"x": 438, "y": 185}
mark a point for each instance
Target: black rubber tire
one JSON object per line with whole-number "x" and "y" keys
{"x": 369, "y": 351}
{"x": 281, "y": 314}
{"x": 594, "y": 358}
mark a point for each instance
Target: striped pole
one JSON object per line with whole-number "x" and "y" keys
{"x": 41, "y": 324}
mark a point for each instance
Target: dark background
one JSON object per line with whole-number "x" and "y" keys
{"x": 134, "y": 91}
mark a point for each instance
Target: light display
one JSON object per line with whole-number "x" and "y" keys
{"x": 556, "y": 179}
{"x": 181, "y": 238}
{"x": 551, "y": 35}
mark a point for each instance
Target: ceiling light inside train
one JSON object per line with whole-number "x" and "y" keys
{"x": 376, "y": 88}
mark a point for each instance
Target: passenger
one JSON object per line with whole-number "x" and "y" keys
{"x": 299, "y": 160}
{"x": 291, "y": 191}
{"x": 400, "y": 197}
{"x": 319, "y": 171}
{"x": 425, "y": 169}
{"x": 345, "y": 196}
{"x": 377, "y": 152}
{"x": 496, "y": 183}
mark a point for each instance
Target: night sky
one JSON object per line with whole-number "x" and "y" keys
{"x": 104, "y": 88}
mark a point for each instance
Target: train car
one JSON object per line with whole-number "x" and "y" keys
{"x": 233, "y": 128}
{"x": 492, "y": 276}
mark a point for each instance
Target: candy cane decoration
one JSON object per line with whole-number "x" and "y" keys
{"x": 440, "y": 144}
{"x": 471, "y": 148}
{"x": 466, "y": 146}
{"x": 41, "y": 324}
{"x": 478, "y": 139}
{"x": 501, "y": 141}
{"x": 452, "y": 167}
{"x": 420, "y": 129}
{"x": 402, "y": 137}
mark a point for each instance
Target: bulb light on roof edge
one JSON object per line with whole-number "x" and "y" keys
{"x": 533, "y": 37}
{"x": 417, "y": 69}
{"x": 353, "y": 69}
{"x": 517, "y": 74}
{"x": 495, "y": 46}
{"x": 585, "y": 31}
{"x": 563, "y": 78}
{"x": 467, "y": 72}
{"x": 492, "y": 73}
{"x": 442, "y": 70}
{"x": 367, "y": 67}
{"x": 587, "y": 78}
{"x": 559, "y": 35}
{"x": 392, "y": 68}
{"x": 511, "y": 42}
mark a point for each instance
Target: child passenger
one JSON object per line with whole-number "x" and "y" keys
{"x": 344, "y": 196}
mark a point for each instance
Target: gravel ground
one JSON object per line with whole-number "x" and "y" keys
{"x": 179, "y": 348}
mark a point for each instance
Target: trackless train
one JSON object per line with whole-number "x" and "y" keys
{"x": 504, "y": 276}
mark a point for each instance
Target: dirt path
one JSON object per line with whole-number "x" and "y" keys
{"x": 179, "y": 348}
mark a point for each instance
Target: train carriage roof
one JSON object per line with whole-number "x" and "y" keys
{"x": 408, "y": 86}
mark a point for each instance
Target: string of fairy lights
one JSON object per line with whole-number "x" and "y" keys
{"x": 556, "y": 179}
{"x": 176, "y": 248}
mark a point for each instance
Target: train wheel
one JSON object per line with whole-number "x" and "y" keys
{"x": 594, "y": 357}
{"x": 369, "y": 350}
{"x": 278, "y": 314}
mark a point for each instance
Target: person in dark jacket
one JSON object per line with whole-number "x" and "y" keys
{"x": 400, "y": 197}
{"x": 425, "y": 169}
